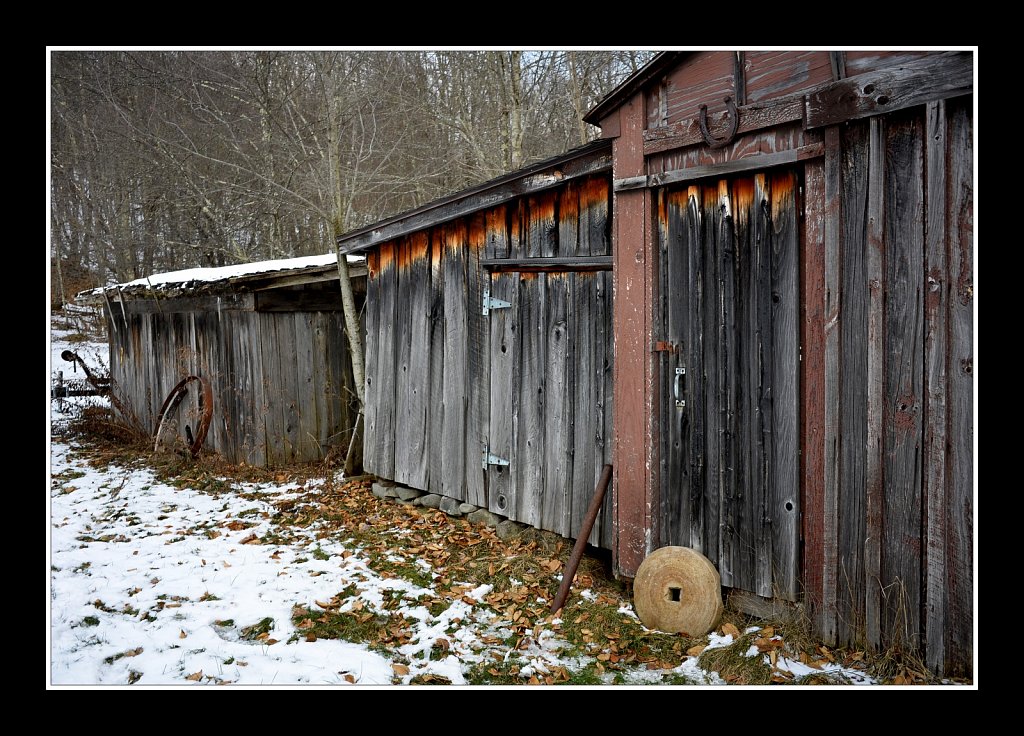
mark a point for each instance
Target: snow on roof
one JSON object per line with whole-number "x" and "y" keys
{"x": 175, "y": 280}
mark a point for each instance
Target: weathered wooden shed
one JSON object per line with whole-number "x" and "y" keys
{"x": 793, "y": 340}
{"x": 268, "y": 337}
{"x": 488, "y": 342}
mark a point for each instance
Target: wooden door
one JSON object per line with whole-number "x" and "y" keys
{"x": 729, "y": 377}
{"x": 550, "y": 397}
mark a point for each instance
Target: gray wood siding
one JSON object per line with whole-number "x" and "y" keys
{"x": 899, "y": 384}
{"x": 282, "y": 385}
{"x": 530, "y": 384}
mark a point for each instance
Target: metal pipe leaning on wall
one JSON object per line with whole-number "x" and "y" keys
{"x": 581, "y": 541}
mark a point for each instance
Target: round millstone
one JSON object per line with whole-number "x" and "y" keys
{"x": 678, "y": 590}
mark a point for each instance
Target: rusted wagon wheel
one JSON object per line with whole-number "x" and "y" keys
{"x": 678, "y": 590}
{"x": 189, "y": 405}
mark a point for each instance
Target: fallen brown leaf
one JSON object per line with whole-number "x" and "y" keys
{"x": 182, "y": 634}
{"x": 400, "y": 669}
{"x": 728, "y": 628}
{"x": 350, "y": 679}
{"x": 195, "y": 676}
{"x": 251, "y": 539}
{"x": 696, "y": 650}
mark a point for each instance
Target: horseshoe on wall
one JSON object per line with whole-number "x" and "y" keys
{"x": 734, "y": 124}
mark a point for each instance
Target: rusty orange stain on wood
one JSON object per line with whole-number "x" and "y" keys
{"x": 527, "y": 276}
{"x": 437, "y": 248}
{"x": 594, "y": 191}
{"x": 455, "y": 235}
{"x": 477, "y": 232}
{"x": 386, "y": 256}
{"x": 741, "y": 199}
{"x": 373, "y": 263}
{"x": 569, "y": 202}
{"x": 419, "y": 244}
{"x": 782, "y": 193}
{"x": 542, "y": 207}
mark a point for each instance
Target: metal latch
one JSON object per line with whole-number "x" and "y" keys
{"x": 491, "y": 302}
{"x": 491, "y": 459}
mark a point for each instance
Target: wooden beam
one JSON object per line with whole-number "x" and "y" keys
{"x": 562, "y": 264}
{"x": 757, "y": 162}
{"x": 632, "y": 319}
{"x": 298, "y": 279}
{"x": 895, "y": 88}
{"x": 234, "y": 302}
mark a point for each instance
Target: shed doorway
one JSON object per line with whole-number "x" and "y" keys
{"x": 729, "y": 368}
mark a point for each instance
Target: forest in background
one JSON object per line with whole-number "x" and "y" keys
{"x": 163, "y": 160}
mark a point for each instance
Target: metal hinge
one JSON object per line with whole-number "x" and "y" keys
{"x": 491, "y": 302}
{"x": 491, "y": 459}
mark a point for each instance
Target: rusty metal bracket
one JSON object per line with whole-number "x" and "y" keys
{"x": 734, "y": 124}
{"x": 664, "y": 346}
{"x": 205, "y": 405}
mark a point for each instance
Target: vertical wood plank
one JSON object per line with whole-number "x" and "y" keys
{"x": 456, "y": 389}
{"x": 496, "y": 219}
{"x": 763, "y": 383}
{"x": 692, "y": 382}
{"x": 567, "y": 222}
{"x": 604, "y": 363}
{"x": 812, "y": 382}
{"x": 274, "y": 387}
{"x": 501, "y": 492}
{"x": 319, "y": 417}
{"x": 387, "y": 318}
{"x": 595, "y": 204}
{"x": 935, "y": 358}
{"x": 875, "y": 386}
{"x": 903, "y": 390}
{"x": 784, "y": 501}
{"x": 529, "y": 423}
{"x": 854, "y": 378}
{"x": 749, "y": 481}
{"x": 371, "y": 398}
{"x": 585, "y": 407}
{"x": 289, "y": 348}
{"x": 960, "y": 644}
{"x": 226, "y": 416}
{"x": 418, "y": 398}
{"x": 833, "y": 277}
{"x": 402, "y": 378}
{"x": 722, "y": 233}
{"x": 558, "y": 393}
{"x": 711, "y": 391}
{"x": 307, "y": 446}
{"x": 477, "y": 374}
{"x": 435, "y": 408}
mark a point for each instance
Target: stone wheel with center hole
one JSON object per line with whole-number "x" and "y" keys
{"x": 678, "y": 590}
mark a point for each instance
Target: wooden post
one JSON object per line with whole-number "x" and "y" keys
{"x": 634, "y": 376}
